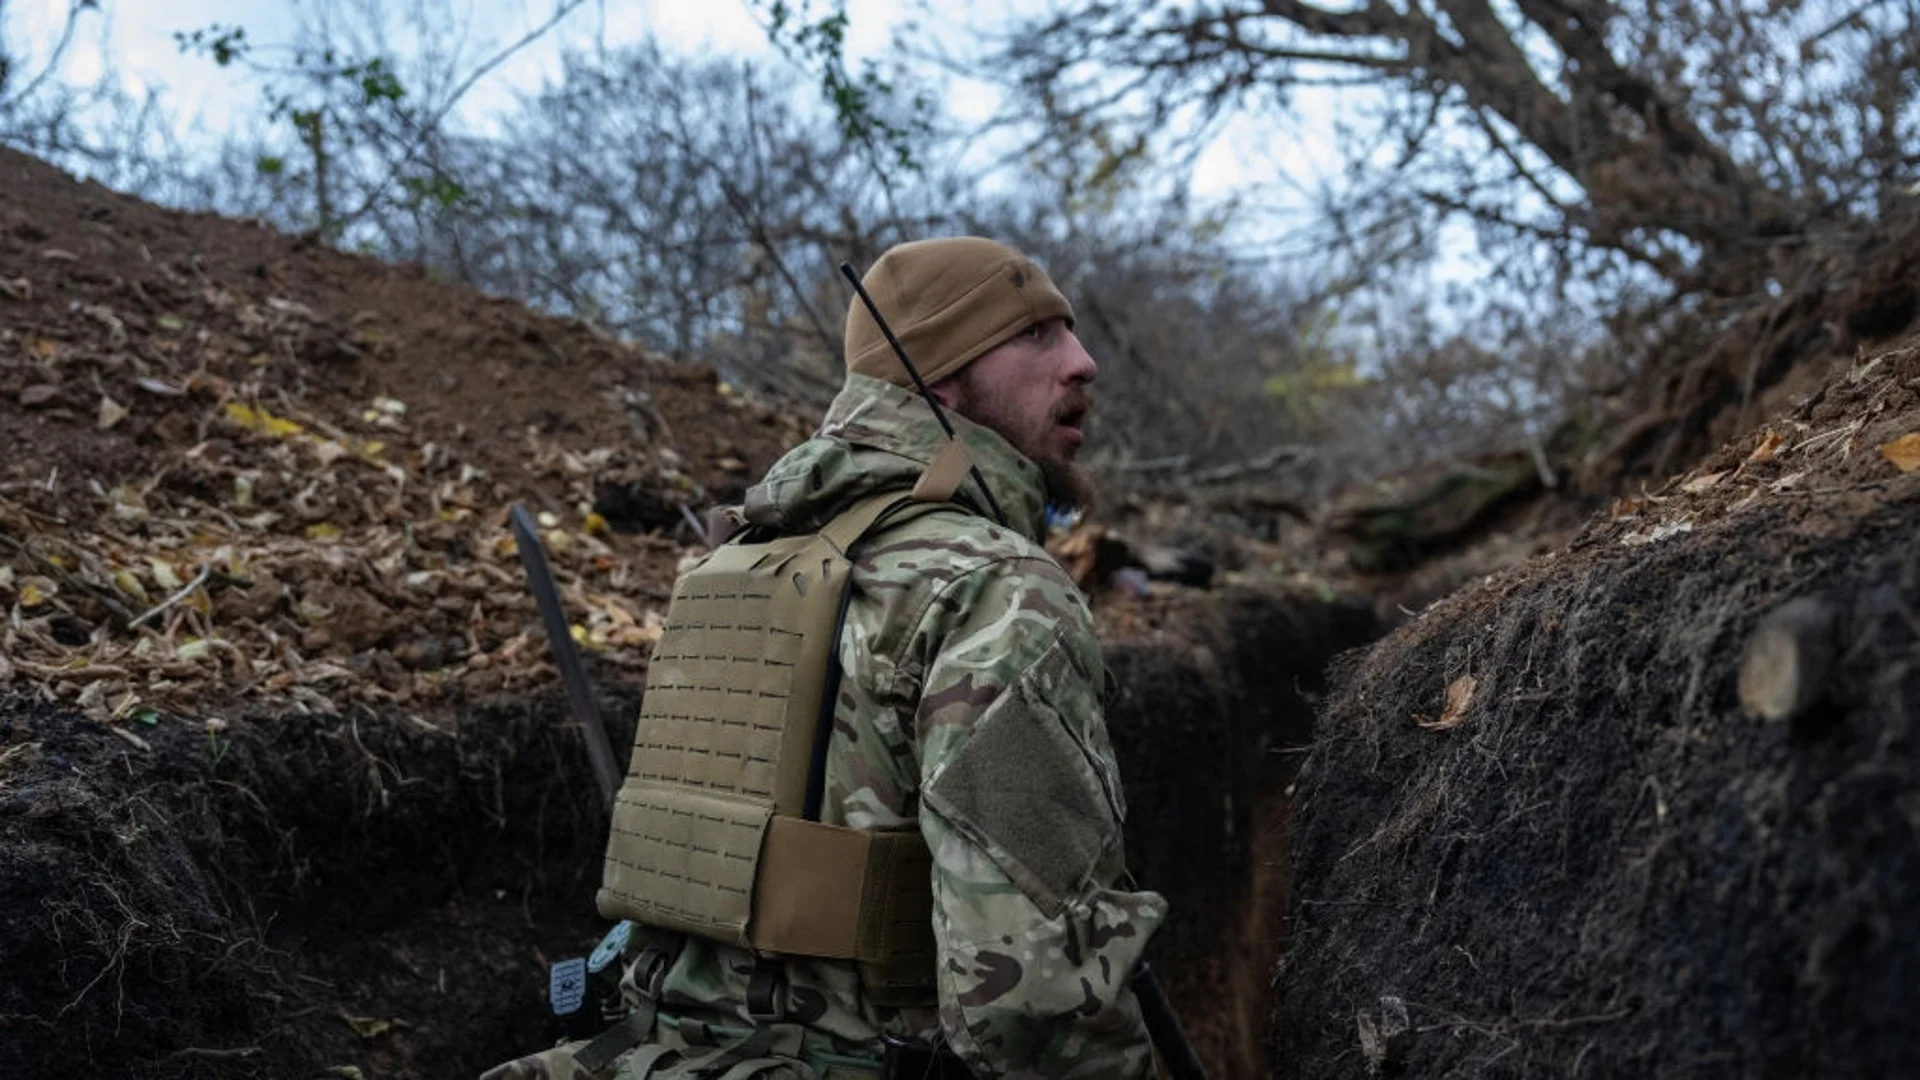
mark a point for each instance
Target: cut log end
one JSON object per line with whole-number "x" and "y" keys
{"x": 1784, "y": 668}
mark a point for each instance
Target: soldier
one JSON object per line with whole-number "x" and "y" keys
{"x": 969, "y": 714}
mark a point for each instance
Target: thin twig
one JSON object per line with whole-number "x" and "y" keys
{"x": 206, "y": 571}
{"x": 133, "y": 740}
{"x": 432, "y": 125}
{"x": 213, "y": 1053}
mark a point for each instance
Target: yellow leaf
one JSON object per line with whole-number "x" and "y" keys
{"x": 130, "y": 585}
{"x": 596, "y": 525}
{"x": 582, "y": 638}
{"x": 1459, "y": 696}
{"x": 194, "y": 649}
{"x": 373, "y": 447}
{"x": 1904, "y": 452}
{"x": 323, "y": 530}
{"x": 257, "y": 418}
{"x": 36, "y": 591}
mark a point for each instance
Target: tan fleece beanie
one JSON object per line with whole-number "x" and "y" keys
{"x": 948, "y": 301}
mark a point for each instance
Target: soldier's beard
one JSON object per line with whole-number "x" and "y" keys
{"x": 1068, "y": 486}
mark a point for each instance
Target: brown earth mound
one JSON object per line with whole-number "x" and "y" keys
{"x": 283, "y": 781}
{"x": 311, "y": 455}
{"x": 1538, "y": 833}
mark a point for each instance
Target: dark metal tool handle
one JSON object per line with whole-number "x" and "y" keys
{"x": 533, "y": 559}
{"x": 1169, "y": 1038}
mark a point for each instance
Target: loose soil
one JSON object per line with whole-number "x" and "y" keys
{"x": 1538, "y": 835}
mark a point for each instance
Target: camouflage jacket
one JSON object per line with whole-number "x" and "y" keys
{"x": 971, "y": 702}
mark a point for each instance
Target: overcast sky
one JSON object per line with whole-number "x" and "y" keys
{"x": 136, "y": 40}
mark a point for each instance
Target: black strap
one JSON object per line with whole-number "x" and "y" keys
{"x": 650, "y": 971}
{"x": 823, "y": 720}
{"x": 766, "y": 991}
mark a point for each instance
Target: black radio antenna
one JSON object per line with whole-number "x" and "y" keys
{"x": 933, "y": 403}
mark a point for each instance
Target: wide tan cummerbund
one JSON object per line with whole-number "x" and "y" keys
{"x": 711, "y": 832}
{"x": 826, "y": 890}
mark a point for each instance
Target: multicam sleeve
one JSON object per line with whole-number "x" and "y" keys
{"x": 1022, "y": 807}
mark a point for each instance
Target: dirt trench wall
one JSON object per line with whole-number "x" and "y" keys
{"x": 1204, "y": 704}
{"x": 297, "y": 894}
{"x": 1606, "y": 868}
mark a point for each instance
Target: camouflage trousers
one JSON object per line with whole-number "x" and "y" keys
{"x": 691, "y": 1050}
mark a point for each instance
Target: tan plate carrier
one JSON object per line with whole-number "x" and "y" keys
{"x": 711, "y": 832}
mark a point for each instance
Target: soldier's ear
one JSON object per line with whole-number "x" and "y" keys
{"x": 947, "y": 391}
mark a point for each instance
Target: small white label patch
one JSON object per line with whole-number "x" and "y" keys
{"x": 567, "y": 986}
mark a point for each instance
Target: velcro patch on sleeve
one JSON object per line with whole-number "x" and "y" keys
{"x": 1023, "y": 789}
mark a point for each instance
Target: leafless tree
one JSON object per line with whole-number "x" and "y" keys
{"x": 1682, "y": 136}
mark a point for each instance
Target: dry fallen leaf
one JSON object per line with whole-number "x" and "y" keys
{"x": 1904, "y": 452}
{"x": 38, "y": 395}
{"x": 18, "y": 288}
{"x": 35, "y": 591}
{"x": 368, "y": 1027}
{"x": 155, "y": 386}
{"x": 163, "y": 574}
{"x": 1703, "y": 482}
{"x": 1769, "y": 445}
{"x": 260, "y": 420}
{"x": 111, "y": 412}
{"x": 131, "y": 585}
{"x": 1459, "y": 696}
